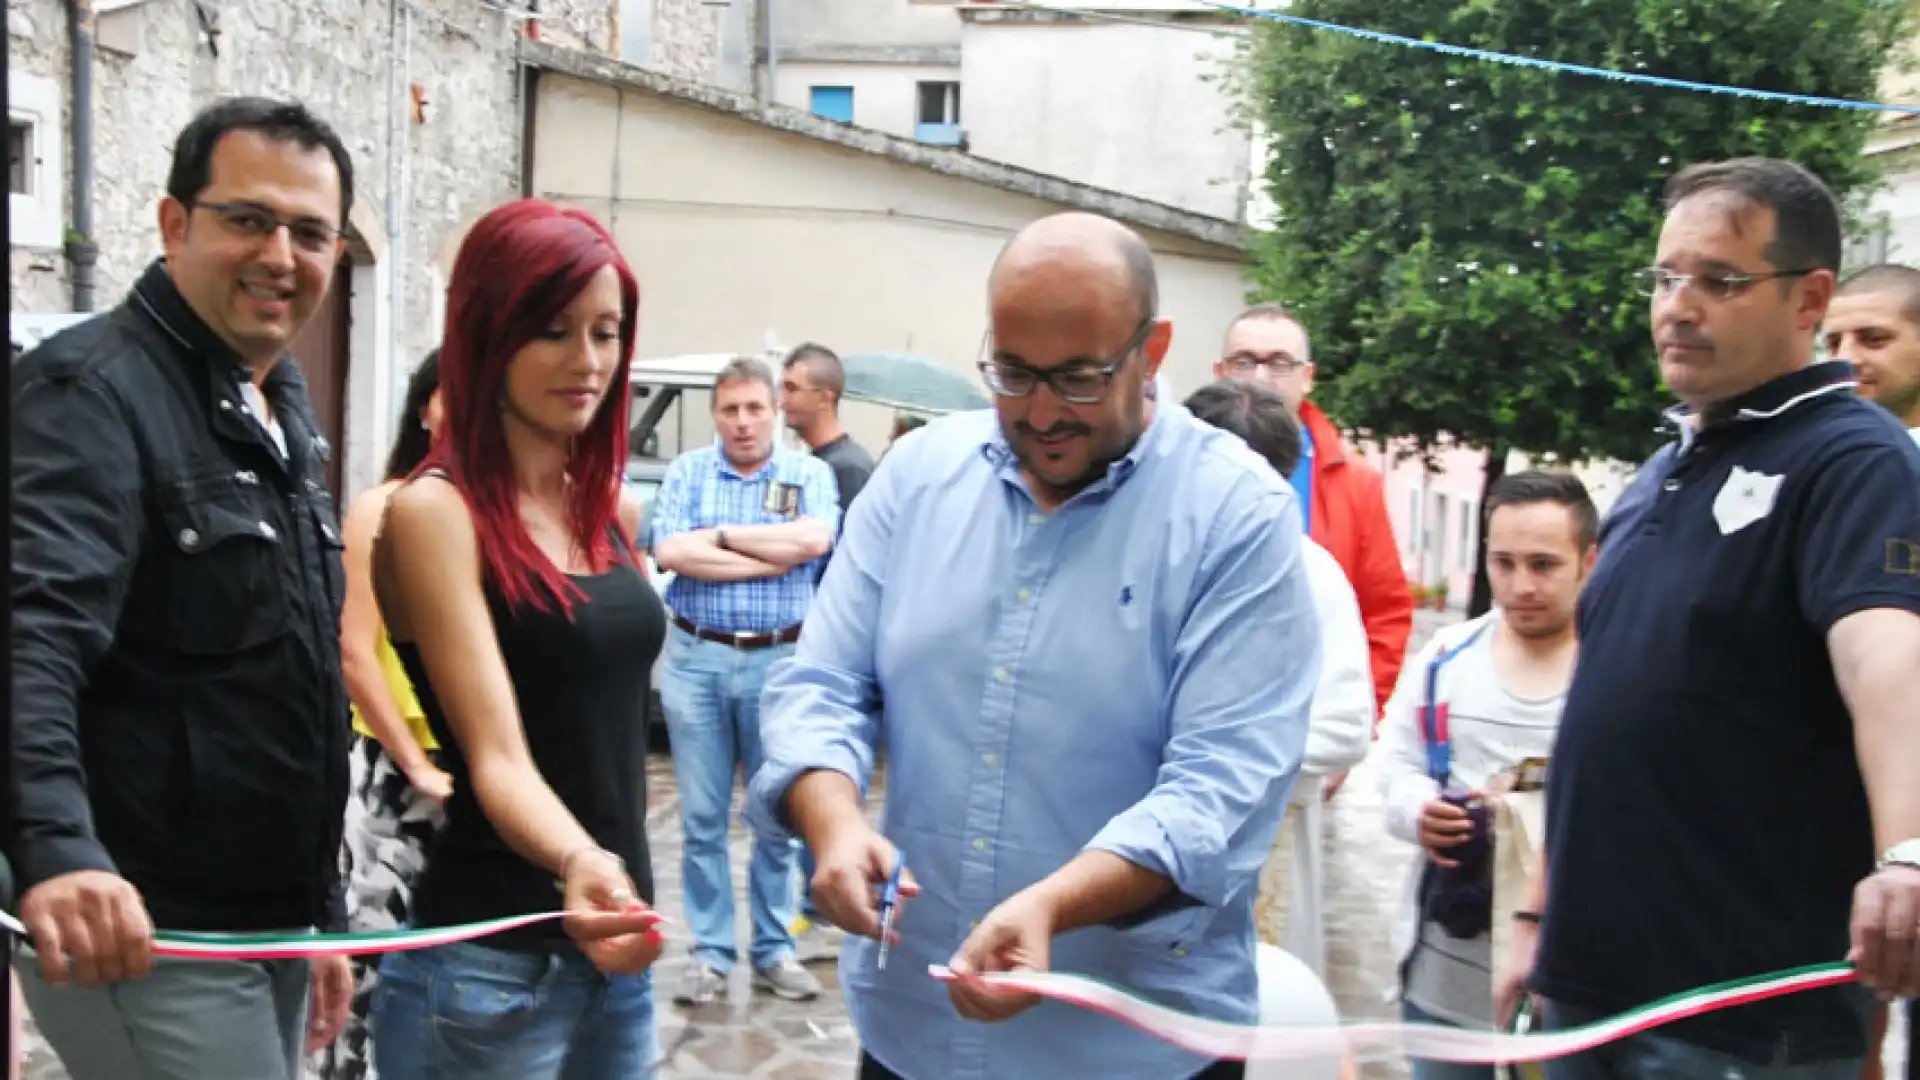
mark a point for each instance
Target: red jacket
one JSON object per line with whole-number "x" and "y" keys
{"x": 1350, "y": 521}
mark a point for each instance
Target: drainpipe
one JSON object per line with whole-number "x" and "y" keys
{"x": 82, "y": 252}
{"x": 766, "y": 88}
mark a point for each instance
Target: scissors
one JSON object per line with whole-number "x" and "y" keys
{"x": 889, "y": 904}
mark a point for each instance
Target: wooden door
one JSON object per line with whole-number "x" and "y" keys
{"x": 324, "y": 354}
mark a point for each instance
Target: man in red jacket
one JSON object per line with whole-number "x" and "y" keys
{"x": 1340, "y": 494}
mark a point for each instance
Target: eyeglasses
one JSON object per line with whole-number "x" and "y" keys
{"x": 1248, "y": 365}
{"x": 1077, "y": 384}
{"x": 1659, "y": 281}
{"x": 255, "y": 222}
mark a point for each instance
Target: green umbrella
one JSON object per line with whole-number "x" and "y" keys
{"x": 910, "y": 383}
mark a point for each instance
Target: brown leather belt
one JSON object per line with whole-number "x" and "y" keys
{"x": 786, "y": 636}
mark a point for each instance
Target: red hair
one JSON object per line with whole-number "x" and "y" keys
{"x": 518, "y": 269}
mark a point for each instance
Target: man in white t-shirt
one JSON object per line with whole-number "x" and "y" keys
{"x": 1481, "y": 698}
{"x": 1341, "y": 722}
{"x": 1873, "y": 323}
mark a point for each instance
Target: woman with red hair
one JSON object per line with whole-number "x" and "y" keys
{"x": 507, "y": 577}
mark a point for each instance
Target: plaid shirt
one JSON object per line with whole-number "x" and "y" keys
{"x": 703, "y": 490}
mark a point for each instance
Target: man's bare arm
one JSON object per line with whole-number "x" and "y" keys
{"x": 698, "y": 555}
{"x": 1876, "y": 658}
{"x": 785, "y": 545}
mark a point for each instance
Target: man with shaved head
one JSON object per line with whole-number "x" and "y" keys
{"x": 1091, "y": 628}
{"x": 1874, "y": 323}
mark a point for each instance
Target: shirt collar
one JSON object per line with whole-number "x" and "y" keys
{"x": 157, "y": 296}
{"x": 724, "y": 464}
{"x": 1769, "y": 400}
{"x": 997, "y": 451}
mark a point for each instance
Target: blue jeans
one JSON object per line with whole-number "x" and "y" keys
{"x": 711, "y": 695}
{"x": 806, "y": 883}
{"x": 1652, "y": 1055}
{"x": 467, "y": 1012}
{"x": 1423, "y": 1069}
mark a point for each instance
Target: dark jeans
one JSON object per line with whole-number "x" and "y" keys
{"x": 1219, "y": 1070}
{"x": 1653, "y": 1056}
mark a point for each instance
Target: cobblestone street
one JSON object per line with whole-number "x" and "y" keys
{"x": 754, "y": 1035}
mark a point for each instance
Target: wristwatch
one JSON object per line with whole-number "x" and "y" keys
{"x": 1904, "y": 853}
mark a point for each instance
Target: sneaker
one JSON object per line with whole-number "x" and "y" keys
{"x": 787, "y": 979}
{"x": 815, "y": 942}
{"x": 702, "y": 986}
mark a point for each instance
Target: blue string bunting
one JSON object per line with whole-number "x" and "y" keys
{"x": 1555, "y": 65}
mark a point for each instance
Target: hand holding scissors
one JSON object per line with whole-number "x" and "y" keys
{"x": 889, "y": 904}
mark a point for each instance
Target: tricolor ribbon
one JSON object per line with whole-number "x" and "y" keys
{"x": 1207, "y": 1038}
{"x": 1431, "y": 1042}
{"x": 207, "y": 946}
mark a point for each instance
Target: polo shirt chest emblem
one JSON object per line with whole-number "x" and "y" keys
{"x": 1745, "y": 498}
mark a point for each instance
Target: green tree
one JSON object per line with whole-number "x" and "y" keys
{"x": 1460, "y": 235}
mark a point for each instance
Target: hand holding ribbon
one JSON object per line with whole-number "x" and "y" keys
{"x": 1016, "y": 937}
{"x": 617, "y": 932}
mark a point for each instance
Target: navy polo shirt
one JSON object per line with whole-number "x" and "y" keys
{"x": 1706, "y": 819}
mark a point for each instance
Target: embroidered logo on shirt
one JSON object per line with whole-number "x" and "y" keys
{"x": 1745, "y": 498}
{"x": 1126, "y": 595}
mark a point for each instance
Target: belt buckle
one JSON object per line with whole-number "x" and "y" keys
{"x": 742, "y": 637}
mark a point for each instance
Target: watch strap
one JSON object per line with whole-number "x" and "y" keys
{"x": 1904, "y": 853}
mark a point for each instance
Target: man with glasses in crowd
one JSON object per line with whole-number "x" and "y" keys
{"x": 1096, "y": 644}
{"x": 1342, "y": 498}
{"x": 179, "y": 720}
{"x": 1732, "y": 788}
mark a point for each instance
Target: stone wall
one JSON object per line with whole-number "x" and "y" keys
{"x": 158, "y": 61}
{"x": 336, "y": 56}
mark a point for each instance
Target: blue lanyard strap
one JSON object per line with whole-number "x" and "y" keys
{"x": 1433, "y": 714}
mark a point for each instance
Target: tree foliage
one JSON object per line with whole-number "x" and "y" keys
{"x": 1460, "y": 235}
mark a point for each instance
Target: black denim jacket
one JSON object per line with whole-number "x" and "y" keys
{"x": 179, "y": 714}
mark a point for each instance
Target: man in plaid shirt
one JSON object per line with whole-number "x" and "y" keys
{"x": 744, "y": 525}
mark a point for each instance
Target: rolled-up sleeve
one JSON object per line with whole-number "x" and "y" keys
{"x": 76, "y": 534}
{"x": 1245, "y": 665}
{"x": 820, "y": 708}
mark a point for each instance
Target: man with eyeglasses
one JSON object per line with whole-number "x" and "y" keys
{"x": 180, "y": 724}
{"x": 1096, "y": 644}
{"x": 1732, "y": 790}
{"x": 1342, "y": 498}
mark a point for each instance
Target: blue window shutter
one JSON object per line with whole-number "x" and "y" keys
{"x": 833, "y": 103}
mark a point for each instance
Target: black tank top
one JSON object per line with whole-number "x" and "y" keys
{"x": 581, "y": 685}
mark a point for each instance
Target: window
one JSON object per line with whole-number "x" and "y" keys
{"x": 938, "y": 121}
{"x": 1465, "y": 559}
{"x": 19, "y": 158}
{"x": 34, "y": 161}
{"x": 833, "y": 103}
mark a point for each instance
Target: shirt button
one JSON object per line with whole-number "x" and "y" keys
{"x": 189, "y": 538}
{"x": 1180, "y": 952}
{"x": 1034, "y": 519}
{"x": 1671, "y": 485}
{"x": 227, "y": 405}
{"x": 979, "y": 843}
{"x": 1024, "y": 595}
{"x": 988, "y": 757}
{"x": 1003, "y": 674}
{"x": 246, "y": 476}
{"x": 266, "y": 530}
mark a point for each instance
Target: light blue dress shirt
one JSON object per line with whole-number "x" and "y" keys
{"x": 1130, "y": 673}
{"x": 702, "y": 490}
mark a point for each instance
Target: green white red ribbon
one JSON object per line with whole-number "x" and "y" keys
{"x": 206, "y": 946}
{"x": 1283, "y": 1042}
{"x": 1207, "y": 1038}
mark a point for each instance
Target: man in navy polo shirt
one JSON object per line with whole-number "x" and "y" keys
{"x": 1732, "y": 786}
